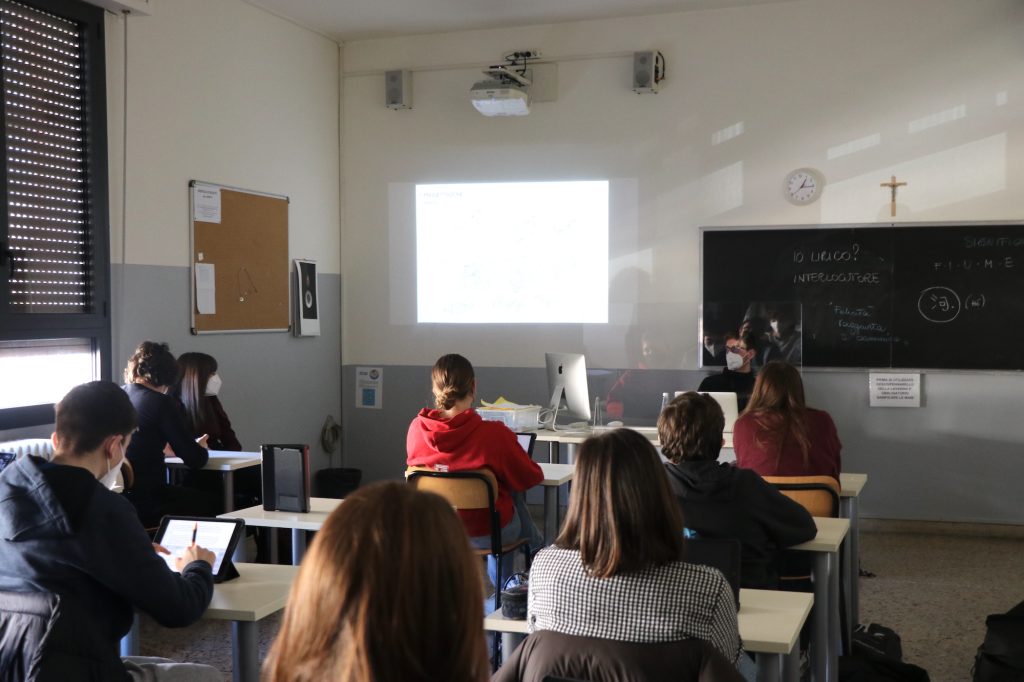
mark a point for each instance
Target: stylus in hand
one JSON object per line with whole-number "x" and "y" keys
{"x": 195, "y": 529}
{"x": 194, "y": 553}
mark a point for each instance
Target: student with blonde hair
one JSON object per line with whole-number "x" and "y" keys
{"x": 388, "y": 591}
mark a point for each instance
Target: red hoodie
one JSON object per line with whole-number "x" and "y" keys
{"x": 466, "y": 441}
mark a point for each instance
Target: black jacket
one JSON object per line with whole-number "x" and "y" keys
{"x": 161, "y": 421}
{"x": 64, "y": 533}
{"x": 722, "y": 501}
{"x": 740, "y": 383}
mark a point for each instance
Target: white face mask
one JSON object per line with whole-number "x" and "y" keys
{"x": 109, "y": 479}
{"x": 213, "y": 385}
{"x": 733, "y": 361}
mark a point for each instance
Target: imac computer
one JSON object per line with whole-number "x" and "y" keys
{"x": 567, "y": 376}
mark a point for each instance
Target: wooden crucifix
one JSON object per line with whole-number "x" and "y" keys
{"x": 892, "y": 185}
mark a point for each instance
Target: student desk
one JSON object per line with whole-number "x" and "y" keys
{"x": 319, "y": 507}
{"x": 554, "y": 476}
{"x": 825, "y": 635}
{"x": 572, "y": 438}
{"x": 259, "y": 591}
{"x": 227, "y": 462}
{"x": 297, "y": 522}
{"x": 769, "y": 625}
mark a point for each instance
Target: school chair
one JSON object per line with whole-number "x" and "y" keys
{"x": 721, "y": 553}
{"x": 42, "y": 639}
{"x": 819, "y": 495}
{"x": 468, "y": 490}
{"x": 546, "y": 656}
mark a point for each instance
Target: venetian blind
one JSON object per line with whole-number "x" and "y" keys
{"x": 52, "y": 264}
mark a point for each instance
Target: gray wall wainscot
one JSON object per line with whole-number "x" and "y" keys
{"x": 953, "y": 459}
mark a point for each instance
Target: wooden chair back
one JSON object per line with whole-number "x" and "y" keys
{"x": 819, "y": 495}
{"x": 471, "y": 489}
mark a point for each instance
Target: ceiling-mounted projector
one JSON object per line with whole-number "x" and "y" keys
{"x": 497, "y": 98}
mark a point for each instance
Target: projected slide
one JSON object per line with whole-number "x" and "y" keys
{"x": 518, "y": 252}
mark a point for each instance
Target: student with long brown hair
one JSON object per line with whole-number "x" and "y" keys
{"x": 778, "y": 435}
{"x": 616, "y": 570}
{"x": 389, "y": 590}
{"x": 197, "y": 388}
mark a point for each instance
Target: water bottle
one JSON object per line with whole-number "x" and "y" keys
{"x": 598, "y": 418}
{"x": 665, "y": 398}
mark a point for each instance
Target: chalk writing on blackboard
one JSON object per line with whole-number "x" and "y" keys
{"x": 939, "y": 304}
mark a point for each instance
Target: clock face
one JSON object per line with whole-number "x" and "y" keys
{"x": 803, "y": 186}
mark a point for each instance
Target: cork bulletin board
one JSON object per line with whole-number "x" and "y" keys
{"x": 240, "y": 265}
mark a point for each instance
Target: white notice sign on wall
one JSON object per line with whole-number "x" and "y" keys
{"x": 370, "y": 387}
{"x": 894, "y": 390}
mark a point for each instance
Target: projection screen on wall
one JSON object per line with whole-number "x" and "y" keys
{"x": 512, "y": 252}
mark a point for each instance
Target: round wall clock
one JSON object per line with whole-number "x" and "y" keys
{"x": 803, "y": 186}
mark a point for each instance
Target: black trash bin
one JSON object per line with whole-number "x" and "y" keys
{"x": 336, "y": 482}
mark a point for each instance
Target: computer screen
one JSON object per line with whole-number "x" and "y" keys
{"x": 567, "y": 376}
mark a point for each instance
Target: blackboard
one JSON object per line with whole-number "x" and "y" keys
{"x": 910, "y": 296}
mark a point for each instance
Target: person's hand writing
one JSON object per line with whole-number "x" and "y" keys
{"x": 194, "y": 553}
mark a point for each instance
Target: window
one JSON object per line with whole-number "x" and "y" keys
{"x": 54, "y": 263}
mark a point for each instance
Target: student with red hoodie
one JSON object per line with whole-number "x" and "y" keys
{"x": 454, "y": 437}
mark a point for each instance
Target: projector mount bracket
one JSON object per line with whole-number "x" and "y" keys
{"x": 515, "y": 70}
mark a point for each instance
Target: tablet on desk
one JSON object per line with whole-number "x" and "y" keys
{"x": 220, "y": 536}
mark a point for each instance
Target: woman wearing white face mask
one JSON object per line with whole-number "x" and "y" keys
{"x": 198, "y": 388}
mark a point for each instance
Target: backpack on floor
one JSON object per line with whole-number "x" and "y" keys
{"x": 876, "y": 657}
{"x": 877, "y": 639}
{"x": 1000, "y": 657}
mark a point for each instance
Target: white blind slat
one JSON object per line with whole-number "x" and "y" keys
{"x": 47, "y": 176}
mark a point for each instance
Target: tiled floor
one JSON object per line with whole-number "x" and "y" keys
{"x": 934, "y": 590}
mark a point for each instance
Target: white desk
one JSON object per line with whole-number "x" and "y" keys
{"x": 769, "y": 625}
{"x": 261, "y": 589}
{"x": 554, "y": 476}
{"x": 825, "y": 634}
{"x": 226, "y": 462}
{"x": 297, "y": 522}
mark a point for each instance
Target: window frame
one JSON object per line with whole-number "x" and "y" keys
{"x": 94, "y": 325}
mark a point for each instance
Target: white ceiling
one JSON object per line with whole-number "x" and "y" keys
{"x": 345, "y": 20}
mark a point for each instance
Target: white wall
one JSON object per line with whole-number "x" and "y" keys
{"x": 929, "y": 90}
{"x": 223, "y": 92}
{"x": 802, "y": 78}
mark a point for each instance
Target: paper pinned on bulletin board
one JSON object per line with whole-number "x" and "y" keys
{"x": 206, "y": 289}
{"x": 205, "y": 203}
{"x": 890, "y": 389}
{"x": 370, "y": 387}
